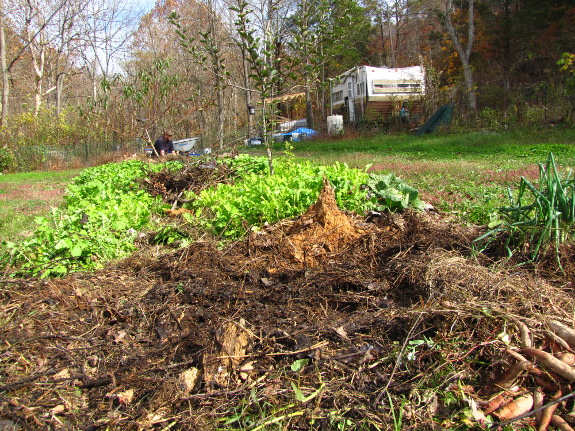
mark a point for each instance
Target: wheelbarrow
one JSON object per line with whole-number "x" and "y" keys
{"x": 185, "y": 145}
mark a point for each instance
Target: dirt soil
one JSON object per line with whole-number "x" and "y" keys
{"x": 327, "y": 321}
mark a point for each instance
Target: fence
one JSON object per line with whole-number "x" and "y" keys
{"x": 46, "y": 157}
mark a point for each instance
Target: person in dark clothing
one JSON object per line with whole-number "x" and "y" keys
{"x": 404, "y": 115}
{"x": 164, "y": 144}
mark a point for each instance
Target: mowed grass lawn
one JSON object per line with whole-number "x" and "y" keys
{"x": 466, "y": 175}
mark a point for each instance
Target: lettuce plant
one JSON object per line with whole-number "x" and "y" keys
{"x": 258, "y": 197}
{"x": 104, "y": 208}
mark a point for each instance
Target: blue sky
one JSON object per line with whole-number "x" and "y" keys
{"x": 142, "y": 5}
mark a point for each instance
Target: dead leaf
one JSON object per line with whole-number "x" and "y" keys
{"x": 162, "y": 332}
{"x": 92, "y": 360}
{"x": 118, "y": 337}
{"x": 476, "y": 412}
{"x": 41, "y": 362}
{"x": 62, "y": 374}
{"x": 246, "y": 369}
{"x": 6, "y": 425}
{"x": 125, "y": 397}
{"x": 58, "y": 409}
{"x": 341, "y": 332}
{"x": 153, "y": 418}
{"x": 188, "y": 379}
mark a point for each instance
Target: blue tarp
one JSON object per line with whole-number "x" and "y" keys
{"x": 309, "y": 132}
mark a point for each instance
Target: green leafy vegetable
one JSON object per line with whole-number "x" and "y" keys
{"x": 387, "y": 191}
{"x": 104, "y": 208}
{"x": 257, "y": 197}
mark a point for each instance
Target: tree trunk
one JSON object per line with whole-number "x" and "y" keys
{"x": 38, "y": 76}
{"x": 507, "y": 51}
{"x": 248, "y": 93}
{"x": 59, "y": 92}
{"x": 94, "y": 82}
{"x": 464, "y": 54}
{"x": 221, "y": 116}
{"x": 212, "y": 46}
{"x": 308, "y": 108}
{"x": 470, "y": 87}
{"x": 382, "y": 56}
{"x": 38, "y": 54}
{"x": 391, "y": 48}
{"x": 5, "y": 71}
{"x": 59, "y": 81}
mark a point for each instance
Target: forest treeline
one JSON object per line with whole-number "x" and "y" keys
{"x": 81, "y": 78}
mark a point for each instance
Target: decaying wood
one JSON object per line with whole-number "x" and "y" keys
{"x": 560, "y": 423}
{"x": 556, "y": 342}
{"x": 515, "y": 408}
{"x": 566, "y": 333}
{"x": 513, "y": 374}
{"x": 232, "y": 339}
{"x": 547, "y": 414}
{"x": 551, "y": 362}
{"x": 369, "y": 284}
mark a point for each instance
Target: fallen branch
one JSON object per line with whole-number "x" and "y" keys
{"x": 25, "y": 381}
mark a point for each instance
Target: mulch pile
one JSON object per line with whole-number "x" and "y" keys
{"x": 194, "y": 177}
{"x": 312, "y": 323}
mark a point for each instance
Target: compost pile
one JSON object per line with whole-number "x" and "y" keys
{"x": 312, "y": 323}
{"x": 193, "y": 177}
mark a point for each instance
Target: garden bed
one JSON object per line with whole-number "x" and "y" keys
{"x": 326, "y": 321}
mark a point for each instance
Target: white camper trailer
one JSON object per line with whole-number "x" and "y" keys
{"x": 377, "y": 89}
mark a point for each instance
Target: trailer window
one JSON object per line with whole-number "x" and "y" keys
{"x": 381, "y": 86}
